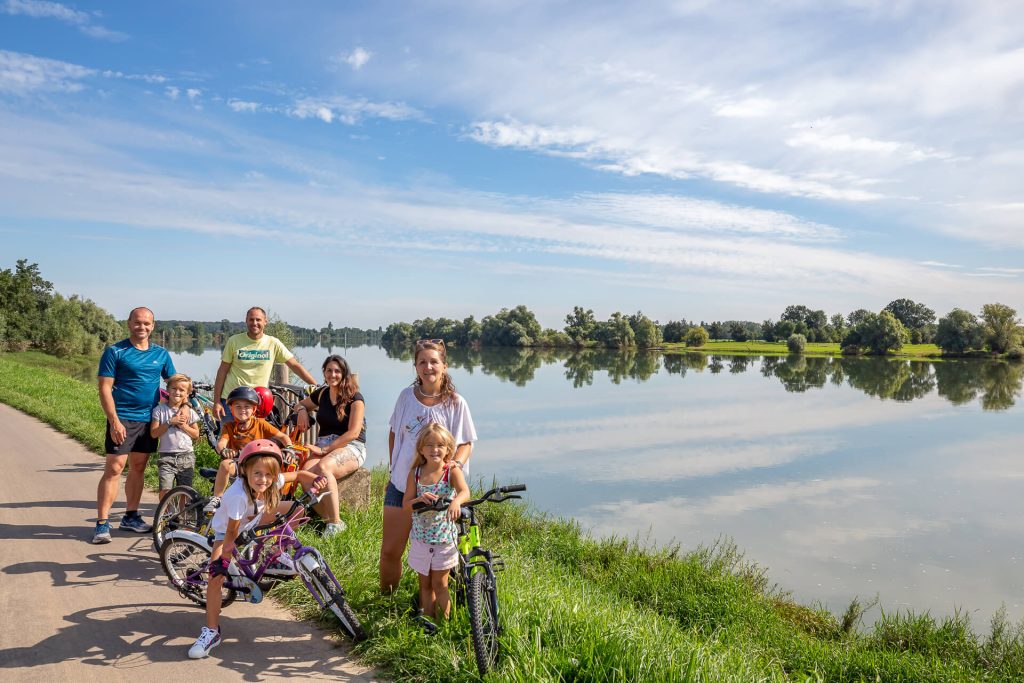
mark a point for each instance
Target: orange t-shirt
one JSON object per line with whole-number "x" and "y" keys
{"x": 237, "y": 438}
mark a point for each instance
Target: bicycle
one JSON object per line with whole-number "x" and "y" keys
{"x": 209, "y": 425}
{"x": 185, "y": 558}
{"x": 182, "y": 507}
{"x": 474, "y": 581}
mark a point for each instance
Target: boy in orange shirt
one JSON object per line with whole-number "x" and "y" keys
{"x": 246, "y": 427}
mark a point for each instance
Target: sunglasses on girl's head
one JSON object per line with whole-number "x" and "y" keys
{"x": 423, "y": 342}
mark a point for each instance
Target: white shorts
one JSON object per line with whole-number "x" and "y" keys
{"x": 353, "y": 450}
{"x": 427, "y": 557}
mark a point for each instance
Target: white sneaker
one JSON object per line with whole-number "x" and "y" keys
{"x": 283, "y": 565}
{"x": 212, "y": 505}
{"x": 334, "y": 528}
{"x": 207, "y": 640}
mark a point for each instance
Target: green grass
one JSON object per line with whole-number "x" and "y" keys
{"x": 763, "y": 348}
{"x": 580, "y": 609}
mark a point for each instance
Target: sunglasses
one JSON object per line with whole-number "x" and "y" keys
{"x": 424, "y": 342}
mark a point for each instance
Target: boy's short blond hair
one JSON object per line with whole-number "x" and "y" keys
{"x": 179, "y": 377}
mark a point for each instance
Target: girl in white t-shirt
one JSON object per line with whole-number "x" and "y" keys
{"x": 431, "y": 398}
{"x": 254, "y": 498}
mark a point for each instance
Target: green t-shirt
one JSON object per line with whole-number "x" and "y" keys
{"x": 252, "y": 361}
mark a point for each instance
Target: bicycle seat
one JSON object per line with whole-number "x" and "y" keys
{"x": 208, "y": 473}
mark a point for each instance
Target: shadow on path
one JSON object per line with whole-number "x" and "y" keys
{"x": 122, "y": 636}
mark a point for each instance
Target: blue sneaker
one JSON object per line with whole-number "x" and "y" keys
{"x": 135, "y": 523}
{"x": 102, "y": 533}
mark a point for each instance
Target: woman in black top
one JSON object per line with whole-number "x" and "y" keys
{"x": 341, "y": 446}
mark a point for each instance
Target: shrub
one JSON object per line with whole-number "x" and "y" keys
{"x": 1016, "y": 353}
{"x": 696, "y": 336}
{"x": 796, "y": 343}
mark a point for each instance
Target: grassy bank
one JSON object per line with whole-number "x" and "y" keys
{"x": 763, "y": 348}
{"x": 579, "y": 609}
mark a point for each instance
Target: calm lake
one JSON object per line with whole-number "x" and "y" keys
{"x": 843, "y": 477}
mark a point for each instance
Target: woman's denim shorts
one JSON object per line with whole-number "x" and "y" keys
{"x": 393, "y": 497}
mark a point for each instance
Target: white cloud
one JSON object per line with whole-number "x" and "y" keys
{"x": 148, "y": 78}
{"x": 624, "y": 155}
{"x": 172, "y": 92}
{"x": 44, "y": 9}
{"x": 193, "y": 94}
{"x": 22, "y": 73}
{"x": 357, "y": 59}
{"x": 241, "y": 105}
{"x": 351, "y": 111}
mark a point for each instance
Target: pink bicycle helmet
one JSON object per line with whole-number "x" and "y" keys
{"x": 266, "y": 403}
{"x": 260, "y": 447}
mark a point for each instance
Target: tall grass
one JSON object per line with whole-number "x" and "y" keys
{"x": 582, "y": 609}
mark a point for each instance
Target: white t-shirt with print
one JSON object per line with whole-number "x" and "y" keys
{"x": 410, "y": 416}
{"x": 235, "y": 504}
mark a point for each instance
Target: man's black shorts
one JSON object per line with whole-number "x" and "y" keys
{"x": 137, "y": 440}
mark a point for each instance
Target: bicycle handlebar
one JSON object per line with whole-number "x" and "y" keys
{"x": 495, "y": 495}
{"x": 307, "y": 500}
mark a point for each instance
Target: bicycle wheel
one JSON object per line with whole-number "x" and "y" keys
{"x": 331, "y": 594}
{"x": 482, "y": 598}
{"x": 186, "y": 564}
{"x": 178, "y": 510}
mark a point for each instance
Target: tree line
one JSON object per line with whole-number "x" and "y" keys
{"x": 34, "y": 316}
{"x": 180, "y": 333}
{"x": 902, "y": 321}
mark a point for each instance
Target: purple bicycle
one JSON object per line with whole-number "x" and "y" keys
{"x": 262, "y": 555}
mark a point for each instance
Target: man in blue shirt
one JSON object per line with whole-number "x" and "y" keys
{"x": 129, "y": 384}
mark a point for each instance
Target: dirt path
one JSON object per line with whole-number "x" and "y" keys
{"x": 73, "y": 611}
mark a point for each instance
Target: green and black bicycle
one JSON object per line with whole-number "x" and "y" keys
{"x": 474, "y": 581}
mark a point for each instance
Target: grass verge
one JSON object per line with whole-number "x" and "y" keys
{"x": 580, "y": 609}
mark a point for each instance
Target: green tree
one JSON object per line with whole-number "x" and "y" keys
{"x": 645, "y": 332}
{"x": 696, "y": 336}
{"x": 580, "y": 325}
{"x": 796, "y": 343}
{"x": 857, "y": 317}
{"x": 959, "y": 332}
{"x": 738, "y": 333}
{"x": 616, "y": 332}
{"x": 62, "y": 334}
{"x": 280, "y": 329}
{"x": 879, "y": 333}
{"x": 674, "y": 331}
{"x": 24, "y": 298}
{"x": 1002, "y": 327}
{"x": 913, "y": 315}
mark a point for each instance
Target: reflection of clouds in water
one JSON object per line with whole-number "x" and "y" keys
{"x": 625, "y": 517}
{"x": 673, "y": 463}
{"x": 992, "y": 458}
{"x": 823, "y": 540}
{"x": 676, "y": 427}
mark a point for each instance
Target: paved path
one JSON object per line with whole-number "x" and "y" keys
{"x": 73, "y": 611}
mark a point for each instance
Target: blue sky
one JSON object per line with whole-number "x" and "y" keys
{"x": 365, "y": 162}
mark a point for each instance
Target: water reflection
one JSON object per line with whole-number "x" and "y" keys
{"x": 998, "y": 383}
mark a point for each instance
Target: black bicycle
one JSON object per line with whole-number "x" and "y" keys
{"x": 474, "y": 580}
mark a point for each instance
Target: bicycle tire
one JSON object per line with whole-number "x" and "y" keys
{"x": 482, "y": 600}
{"x": 181, "y": 558}
{"x": 177, "y": 510}
{"x": 331, "y": 594}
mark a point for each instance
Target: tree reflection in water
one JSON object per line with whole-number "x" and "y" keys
{"x": 997, "y": 383}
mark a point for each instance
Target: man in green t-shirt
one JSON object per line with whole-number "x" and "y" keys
{"x": 248, "y": 360}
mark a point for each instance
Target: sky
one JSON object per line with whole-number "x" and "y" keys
{"x": 367, "y": 162}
